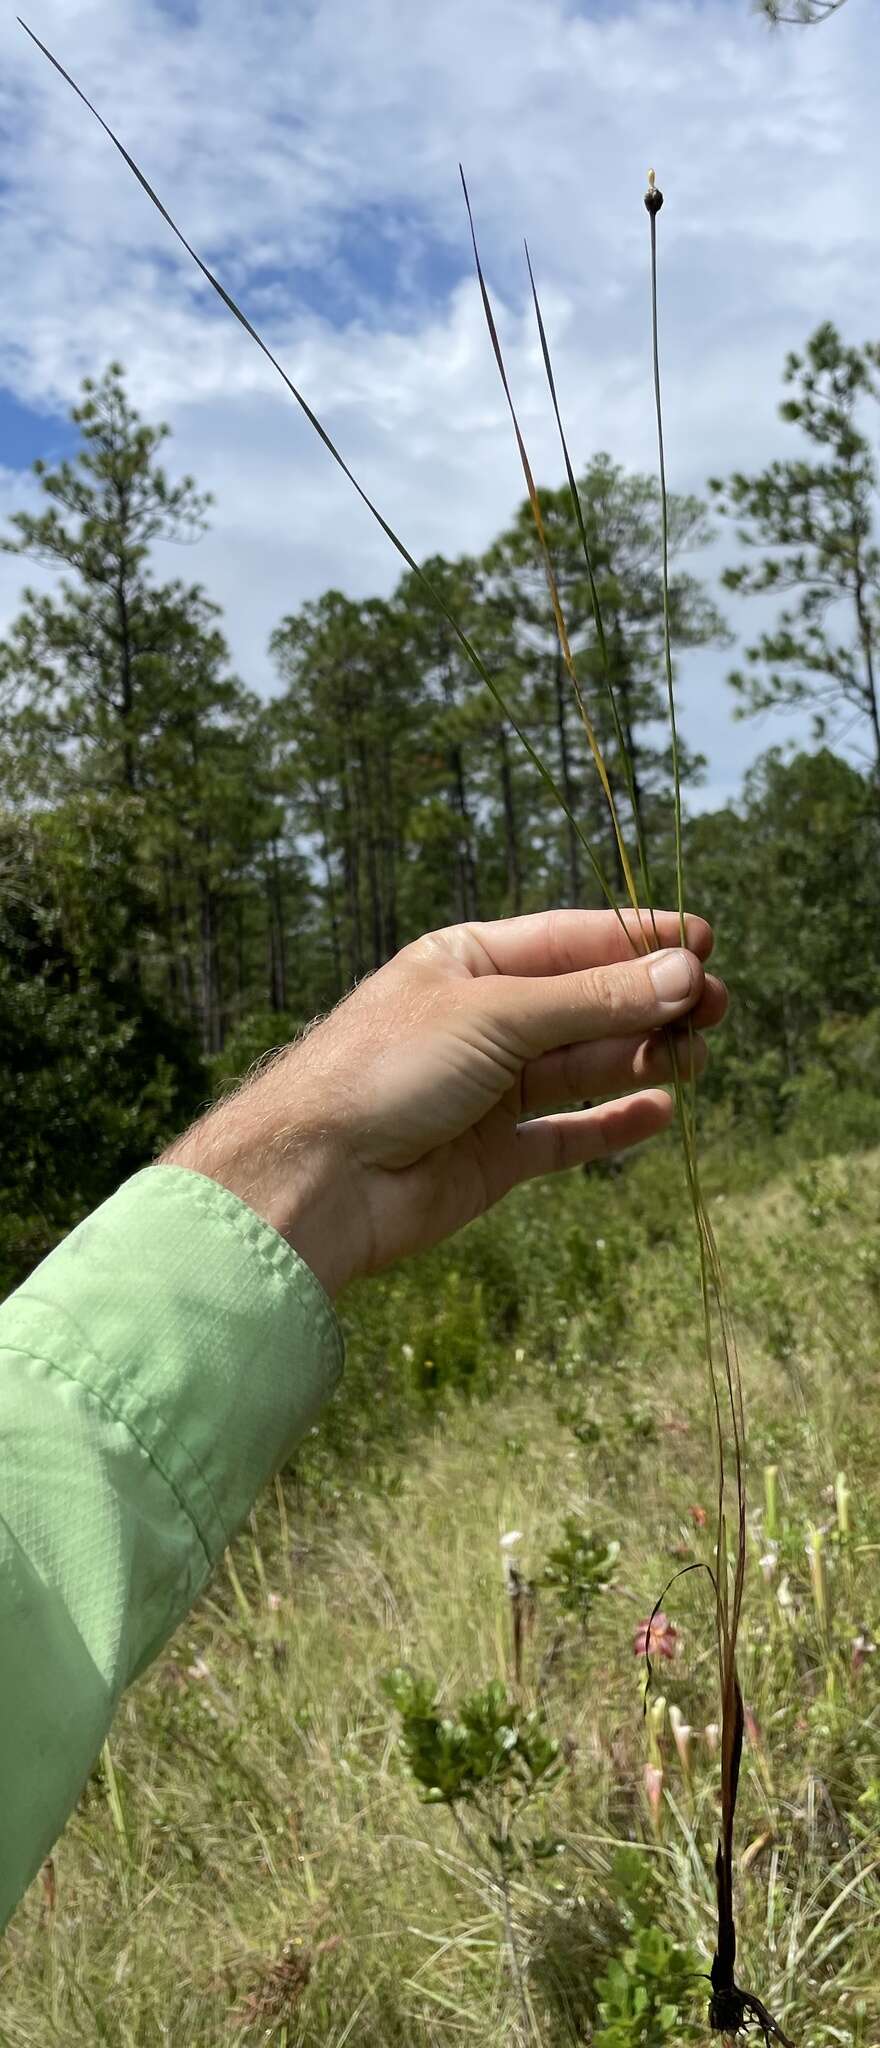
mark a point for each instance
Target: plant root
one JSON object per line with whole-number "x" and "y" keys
{"x": 733, "y": 2012}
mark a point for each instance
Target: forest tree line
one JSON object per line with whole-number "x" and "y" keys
{"x": 189, "y": 872}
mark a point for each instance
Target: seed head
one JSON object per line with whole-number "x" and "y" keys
{"x": 653, "y": 196}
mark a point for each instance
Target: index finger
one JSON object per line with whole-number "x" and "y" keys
{"x": 564, "y": 941}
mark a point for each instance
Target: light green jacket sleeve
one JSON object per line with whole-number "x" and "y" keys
{"x": 154, "y": 1371}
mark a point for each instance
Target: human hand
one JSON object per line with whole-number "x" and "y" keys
{"x": 437, "y": 1085}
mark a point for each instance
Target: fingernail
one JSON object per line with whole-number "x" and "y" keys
{"x": 672, "y": 978}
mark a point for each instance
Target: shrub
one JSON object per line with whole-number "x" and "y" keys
{"x": 644, "y": 1991}
{"x": 580, "y": 1568}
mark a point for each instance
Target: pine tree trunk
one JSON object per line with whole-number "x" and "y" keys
{"x": 181, "y": 927}
{"x": 367, "y": 809}
{"x": 239, "y": 957}
{"x": 390, "y": 854}
{"x": 351, "y": 877}
{"x": 867, "y": 639}
{"x": 210, "y": 1005}
{"x": 172, "y": 970}
{"x": 126, "y": 655}
{"x": 330, "y": 891}
{"x": 467, "y": 895}
{"x": 511, "y": 839}
{"x": 277, "y": 944}
{"x": 632, "y": 748}
{"x": 623, "y": 699}
{"x": 467, "y": 867}
{"x": 561, "y": 701}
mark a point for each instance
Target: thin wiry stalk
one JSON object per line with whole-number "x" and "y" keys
{"x": 653, "y": 210}
{"x": 688, "y": 1139}
{"x": 711, "y": 1277}
{"x": 710, "y": 1264}
{"x": 708, "y": 1255}
{"x": 529, "y": 2030}
{"x": 549, "y": 571}
{"x": 712, "y": 1289}
{"x": 500, "y": 1880}
{"x": 731, "y": 2010}
{"x": 596, "y": 608}
{"x": 436, "y": 596}
{"x": 687, "y": 1123}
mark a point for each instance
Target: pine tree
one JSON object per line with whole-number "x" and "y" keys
{"x": 115, "y": 690}
{"x": 83, "y": 660}
{"x": 813, "y": 526}
{"x": 622, "y": 521}
{"x": 348, "y": 721}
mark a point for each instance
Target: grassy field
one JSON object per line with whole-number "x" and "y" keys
{"x": 252, "y": 1860}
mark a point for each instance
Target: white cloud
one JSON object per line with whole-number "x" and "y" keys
{"x": 281, "y": 134}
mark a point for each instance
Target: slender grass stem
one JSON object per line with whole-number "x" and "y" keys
{"x": 529, "y": 2032}
{"x": 436, "y": 596}
{"x": 500, "y": 1880}
{"x": 601, "y": 639}
{"x": 549, "y": 571}
{"x": 713, "y": 1293}
{"x": 241, "y": 1600}
{"x": 653, "y": 210}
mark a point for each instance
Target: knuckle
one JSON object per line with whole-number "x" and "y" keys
{"x": 617, "y": 991}
{"x": 428, "y": 948}
{"x": 559, "y": 941}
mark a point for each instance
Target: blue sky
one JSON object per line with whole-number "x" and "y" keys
{"x": 311, "y": 152}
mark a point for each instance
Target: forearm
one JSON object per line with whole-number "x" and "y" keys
{"x": 274, "y": 1145}
{"x": 153, "y": 1372}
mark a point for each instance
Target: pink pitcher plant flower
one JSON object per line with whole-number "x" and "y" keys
{"x": 656, "y": 1638}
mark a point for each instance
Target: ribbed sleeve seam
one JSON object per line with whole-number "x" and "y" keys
{"x": 258, "y": 1236}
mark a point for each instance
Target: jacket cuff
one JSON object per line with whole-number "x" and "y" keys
{"x": 218, "y": 1343}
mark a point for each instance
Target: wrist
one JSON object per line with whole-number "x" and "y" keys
{"x": 291, "y": 1172}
